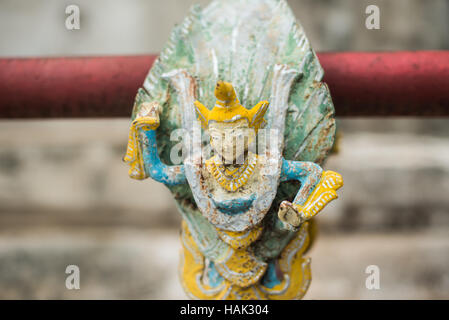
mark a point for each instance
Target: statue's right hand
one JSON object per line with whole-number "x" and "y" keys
{"x": 148, "y": 116}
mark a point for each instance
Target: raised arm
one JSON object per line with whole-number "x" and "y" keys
{"x": 317, "y": 189}
{"x": 308, "y": 173}
{"x": 142, "y": 154}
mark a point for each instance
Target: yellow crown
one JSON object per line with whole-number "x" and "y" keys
{"x": 228, "y": 108}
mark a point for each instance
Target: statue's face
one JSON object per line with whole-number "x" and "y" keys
{"x": 231, "y": 139}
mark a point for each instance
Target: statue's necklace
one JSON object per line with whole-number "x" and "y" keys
{"x": 233, "y": 179}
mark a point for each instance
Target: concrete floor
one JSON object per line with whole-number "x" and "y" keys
{"x": 126, "y": 263}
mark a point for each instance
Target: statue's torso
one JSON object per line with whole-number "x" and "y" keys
{"x": 245, "y": 207}
{"x": 232, "y": 202}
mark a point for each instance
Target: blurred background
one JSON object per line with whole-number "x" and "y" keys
{"x": 65, "y": 195}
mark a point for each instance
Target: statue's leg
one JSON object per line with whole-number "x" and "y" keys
{"x": 193, "y": 271}
{"x": 295, "y": 269}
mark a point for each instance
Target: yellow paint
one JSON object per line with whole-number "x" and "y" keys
{"x": 240, "y": 240}
{"x": 295, "y": 268}
{"x": 133, "y": 155}
{"x": 241, "y": 268}
{"x": 323, "y": 193}
{"x": 228, "y": 108}
{"x": 231, "y": 180}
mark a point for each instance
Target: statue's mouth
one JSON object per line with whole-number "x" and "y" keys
{"x": 234, "y": 206}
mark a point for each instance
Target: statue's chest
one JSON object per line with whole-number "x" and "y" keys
{"x": 230, "y": 202}
{"x": 238, "y": 210}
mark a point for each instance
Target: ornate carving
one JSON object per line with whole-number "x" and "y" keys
{"x": 241, "y": 238}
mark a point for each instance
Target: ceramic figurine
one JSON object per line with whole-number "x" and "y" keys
{"x": 237, "y": 92}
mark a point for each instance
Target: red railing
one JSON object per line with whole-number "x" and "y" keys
{"x": 361, "y": 84}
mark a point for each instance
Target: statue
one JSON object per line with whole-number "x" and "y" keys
{"x": 239, "y": 85}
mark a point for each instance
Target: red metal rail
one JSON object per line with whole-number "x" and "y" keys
{"x": 361, "y": 84}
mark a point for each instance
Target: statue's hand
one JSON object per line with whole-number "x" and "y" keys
{"x": 290, "y": 214}
{"x": 293, "y": 214}
{"x": 148, "y": 116}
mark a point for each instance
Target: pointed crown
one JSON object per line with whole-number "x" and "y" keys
{"x": 228, "y": 108}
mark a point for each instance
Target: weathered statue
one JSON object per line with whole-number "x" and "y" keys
{"x": 247, "y": 181}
